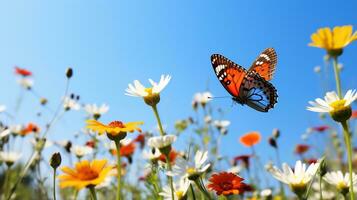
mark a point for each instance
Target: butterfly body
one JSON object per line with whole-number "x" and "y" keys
{"x": 249, "y": 87}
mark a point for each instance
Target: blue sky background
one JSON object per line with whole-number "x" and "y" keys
{"x": 111, "y": 43}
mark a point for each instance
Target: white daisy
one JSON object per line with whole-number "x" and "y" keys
{"x": 96, "y": 111}
{"x": 340, "y": 181}
{"x": 70, "y": 104}
{"x": 191, "y": 170}
{"x": 151, "y": 154}
{"x": 297, "y": 178}
{"x": 202, "y": 98}
{"x": 266, "y": 193}
{"x": 138, "y": 90}
{"x": 9, "y": 157}
{"x": 81, "y": 151}
{"x": 332, "y": 102}
{"x": 4, "y": 132}
{"x": 222, "y": 125}
{"x": 161, "y": 141}
{"x": 180, "y": 190}
{"x": 26, "y": 83}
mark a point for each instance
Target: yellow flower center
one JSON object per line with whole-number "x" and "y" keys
{"x": 336, "y": 105}
{"x": 149, "y": 91}
{"x": 115, "y": 124}
{"x": 191, "y": 170}
{"x": 179, "y": 194}
{"x": 342, "y": 186}
{"x": 86, "y": 173}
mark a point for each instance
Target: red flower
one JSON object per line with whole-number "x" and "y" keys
{"x": 141, "y": 140}
{"x": 172, "y": 156}
{"x": 301, "y": 148}
{"x": 320, "y": 128}
{"x": 125, "y": 150}
{"x": 354, "y": 114}
{"x": 227, "y": 184}
{"x": 22, "y": 72}
{"x": 90, "y": 143}
{"x": 311, "y": 160}
{"x": 243, "y": 158}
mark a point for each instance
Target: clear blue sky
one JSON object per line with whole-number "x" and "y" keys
{"x": 111, "y": 43}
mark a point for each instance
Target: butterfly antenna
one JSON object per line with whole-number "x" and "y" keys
{"x": 221, "y": 97}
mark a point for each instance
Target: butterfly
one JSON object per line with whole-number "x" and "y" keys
{"x": 252, "y": 86}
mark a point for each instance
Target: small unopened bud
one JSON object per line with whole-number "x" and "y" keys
{"x": 55, "y": 160}
{"x": 323, "y": 168}
{"x": 276, "y": 133}
{"x": 272, "y": 142}
{"x": 317, "y": 69}
{"x": 69, "y": 73}
{"x": 43, "y": 101}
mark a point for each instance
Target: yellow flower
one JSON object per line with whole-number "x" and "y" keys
{"x": 85, "y": 174}
{"x": 334, "y": 40}
{"x": 113, "y": 128}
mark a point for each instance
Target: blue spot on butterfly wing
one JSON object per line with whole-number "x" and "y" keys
{"x": 257, "y": 99}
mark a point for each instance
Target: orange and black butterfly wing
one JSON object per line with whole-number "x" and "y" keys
{"x": 228, "y": 73}
{"x": 257, "y": 93}
{"x": 265, "y": 64}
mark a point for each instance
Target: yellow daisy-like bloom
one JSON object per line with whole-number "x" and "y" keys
{"x": 333, "y": 40}
{"x": 85, "y": 174}
{"x": 113, "y": 128}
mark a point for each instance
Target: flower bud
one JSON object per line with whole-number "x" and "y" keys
{"x": 272, "y": 142}
{"x": 276, "y": 133}
{"x": 43, "y": 101}
{"x": 69, "y": 73}
{"x": 55, "y": 160}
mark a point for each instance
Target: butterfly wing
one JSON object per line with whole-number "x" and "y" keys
{"x": 257, "y": 93}
{"x": 229, "y": 73}
{"x": 265, "y": 64}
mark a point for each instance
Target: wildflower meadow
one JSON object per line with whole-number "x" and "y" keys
{"x": 178, "y": 100}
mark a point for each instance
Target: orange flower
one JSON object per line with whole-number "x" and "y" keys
{"x": 85, "y": 174}
{"x": 172, "y": 157}
{"x": 30, "y": 128}
{"x": 250, "y": 139}
{"x": 227, "y": 184}
{"x": 22, "y": 72}
{"x": 301, "y": 148}
{"x": 113, "y": 128}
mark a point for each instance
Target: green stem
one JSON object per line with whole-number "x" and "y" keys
{"x": 117, "y": 144}
{"x": 282, "y": 190}
{"x": 192, "y": 192}
{"x": 7, "y": 181}
{"x": 154, "y": 108}
{"x": 347, "y": 137}
{"x": 76, "y": 194}
{"x": 93, "y": 193}
{"x": 54, "y": 184}
{"x": 38, "y": 151}
{"x": 320, "y": 184}
{"x": 337, "y": 76}
{"x": 169, "y": 177}
{"x": 202, "y": 188}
